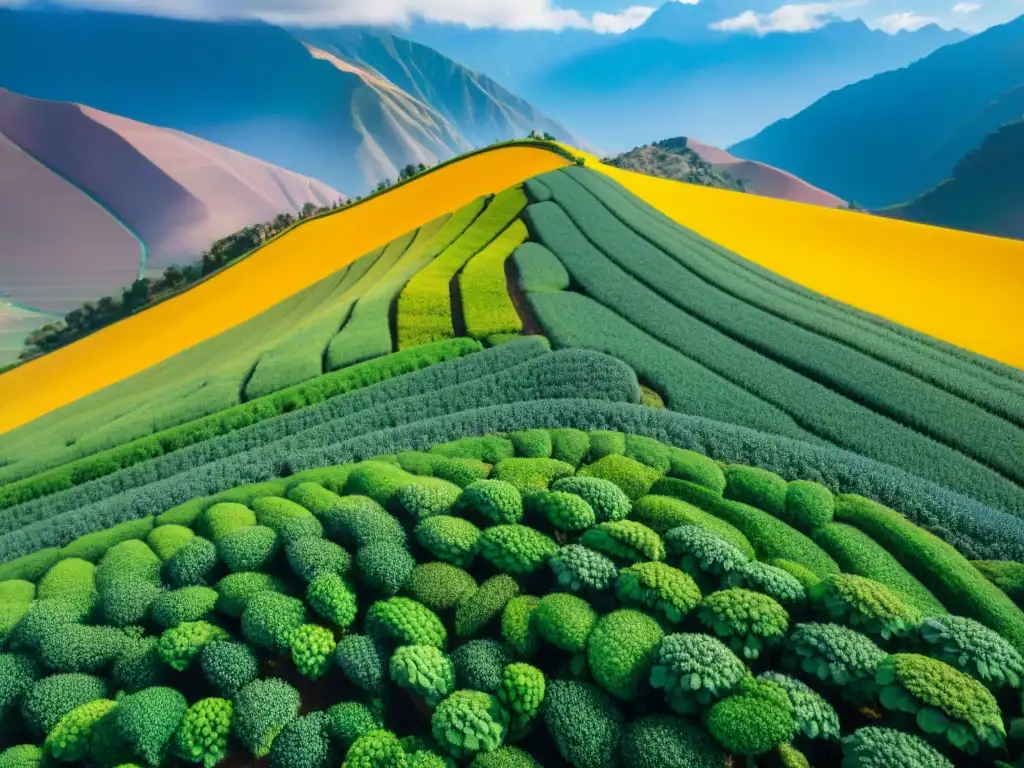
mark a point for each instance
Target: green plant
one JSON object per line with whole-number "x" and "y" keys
{"x": 402, "y": 621}
{"x": 362, "y": 661}
{"x": 269, "y": 618}
{"x": 808, "y": 505}
{"x": 695, "y": 671}
{"x": 944, "y": 702}
{"x": 17, "y": 673}
{"x": 564, "y": 511}
{"x": 756, "y": 487}
{"x": 22, "y": 756}
{"x": 660, "y": 588}
{"x": 836, "y": 655}
{"x": 468, "y": 722}
{"x": 974, "y": 649}
{"x": 1008, "y": 576}
{"x": 769, "y": 579}
{"x": 584, "y": 722}
{"x": 624, "y": 540}
{"x": 50, "y": 698}
{"x": 752, "y": 724}
{"x": 303, "y": 743}
{"x": 312, "y": 648}
{"x": 376, "y": 749}
{"x": 234, "y": 590}
{"x": 580, "y": 568}
{"x": 331, "y": 597}
{"x": 202, "y": 736}
{"x": 664, "y": 513}
{"x": 261, "y": 709}
{"x": 80, "y": 648}
{"x": 424, "y": 670}
{"x": 166, "y": 540}
{"x": 147, "y": 720}
{"x": 228, "y": 666}
{"x": 479, "y": 664}
{"x": 504, "y": 757}
{"x": 192, "y": 564}
{"x": 634, "y": 478}
{"x": 309, "y": 556}
{"x": 496, "y": 500}
{"x": 865, "y": 605}
{"x": 440, "y": 586}
{"x": 349, "y": 721}
{"x": 186, "y": 604}
{"x": 248, "y": 549}
{"x": 748, "y": 621}
{"x": 139, "y": 666}
{"x": 608, "y": 502}
{"x": 179, "y": 645}
{"x": 531, "y": 443}
{"x": 384, "y": 566}
{"x": 569, "y": 445}
{"x": 530, "y": 475}
{"x": 451, "y": 539}
{"x": 220, "y": 519}
{"x": 815, "y": 717}
{"x": 70, "y": 738}
{"x": 620, "y": 650}
{"x": 517, "y": 626}
{"x": 565, "y": 621}
{"x": 701, "y": 552}
{"x": 427, "y": 497}
{"x": 661, "y": 741}
{"x": 515, "y": 549}
{"x": 484, "y": 605}
{"x": 875, "y": 747}
{"x": 521, "y": 692}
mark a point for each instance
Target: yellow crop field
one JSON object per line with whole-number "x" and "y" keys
{"x": 282, "y": 268}
{"x": 958, "y": 287}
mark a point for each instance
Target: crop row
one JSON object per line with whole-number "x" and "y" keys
{"x": 684, "y": 277}
{"x": 539, "y": 269}
{"x": 424, "y": 306}
{"x": 230, "y": 420}
{"x": 558, "y": 375}
{"x": 815, "y": 407}
{"x": 486, "y": 305}
{"x": 367, "y": 334}
{"x": 988, "y": 383}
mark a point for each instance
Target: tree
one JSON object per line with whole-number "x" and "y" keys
{"x": 307, "y": 210}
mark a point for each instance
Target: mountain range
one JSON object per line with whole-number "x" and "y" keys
{"x": 884, "y": 140}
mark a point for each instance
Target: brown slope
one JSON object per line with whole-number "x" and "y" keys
{"x": 178, "y": 193}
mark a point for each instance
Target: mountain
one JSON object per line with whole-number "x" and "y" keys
{"x": 985, "y": 194}
{"x": 93, "y": 199}
{"x": 258, "y": 89}
{"x": 480, "y": 108}
{"x": 863, "y": 141}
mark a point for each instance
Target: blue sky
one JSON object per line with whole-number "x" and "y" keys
{"x": 608, "y": 16}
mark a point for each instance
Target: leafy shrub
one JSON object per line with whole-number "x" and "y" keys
{"x": 620, "y": 650}
{"x": 78, "y": 648}
{"x": 385, "y": 566}
{"x": 234, "y": 590}
{"x": 748, "y": 621}
{"x": 624, "y": 540}
{"x": 377, "y": 479}
{"x": 663, "y": 741}
{"x": 695, "y": 671}
{"x": 564, "y": 511}
{"x": 353, "y": 521}
{"x": 193, "y": 564}
{"x": 70, "y": 739}
{"x": 17, "y": 591}
{"x": 303, "y": 743}
{"x": 605, "y": 442}
{"x": 521, "y": 693}
{"x": 427, "y": 497}
{"x": 228, "y": 666}
{"x": 1008, "y": 576}
{"x": 278, "y": 514}
{"x": 835, "y": 655}
{"x": 203, "y": 734}
{"x": 579, "y": 568}
{"x": 440, "y": 586}
{"x": 487, "y": 448}
{"x": 402, "y": 621}
{"x": 497, "y": 500}
{"x": 72, "y": 580}
{"x": 222, "y": 518}
{"x": 451, "y": 539}
{"x": 166, "y": 540}
{"x": 50, "y": 698}
{"x": 140, "y": 666}
{"x": 43, "y": 619}
{"x": 515, "y": 548}
{"x": 180, "y": 644}
{"x": 147, "y": 720}
{"x": 569, "y": 445}
{"x": 261, "y": 709}
{"x": 349, "y": 721}
{"x": 756, "y": 487}
{"x": 504, "y": 757}
{"x": 17, "y": 674}
{"x": 361, "y": 661}
{"x": 808, "y": 505}
{"x": 660, "y": 588}
{"x": 805, "y": 576}
{"x": 974, "y": 649}
{"x": 945, "y": 702}
{"x": 772, "y": 581}
{"x": 309, "y": 556}
{"x": 876, "y": 747}
{"x": 92, "y": 546}
{"x": 269, "y": 618}
{"x": 539, "y": 269}
{"x": 701, "y": 553}
{"x": 634, "y": 478}
{"x": 480, "y": 664}
{"x": 664, "y": 513}
{"x": 22, "y": 756}
{"x": 517, "y": 626}
{"x": 248, "y": 549}
{"x": 815, "y": 717}
{"x": 532, "y": 443}
{"x": 565, "y": 621}
{"x": 376, "y": 749}
{"x": 753, "y": 723}
{"x": 181, "y": 605}
{"x": 332, "y": 598}
{"x": 865, "y": 605}
{"x": 531, "y": 474}
{"x": 424, "y": 670}
{"x": 312, "y": 648}
{"x": 608, "y": 502}
{"x": 468, "y": 722}
{"x": 484, "y": 605}
{"x": 584, "y": 722}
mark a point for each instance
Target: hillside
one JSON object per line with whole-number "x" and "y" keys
{"x": 858, "y": 143}
{"x": 467, "y": 470}
{"x": 683, "y": 159}
{"x": 985, "y": 193}
{"x": 252, "y": 87}
{"x": 114, "y": 182}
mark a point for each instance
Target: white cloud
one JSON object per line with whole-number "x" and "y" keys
{"x": 908, "y": 21}
{"x": 966, "y": 7}
{"x": 788, "y": 18}
{"x": 506, "y": 14}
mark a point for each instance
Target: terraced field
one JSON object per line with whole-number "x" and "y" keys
{"x": 544, "y": 479}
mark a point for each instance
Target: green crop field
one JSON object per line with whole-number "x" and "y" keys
{"x": 425, "y": 514}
